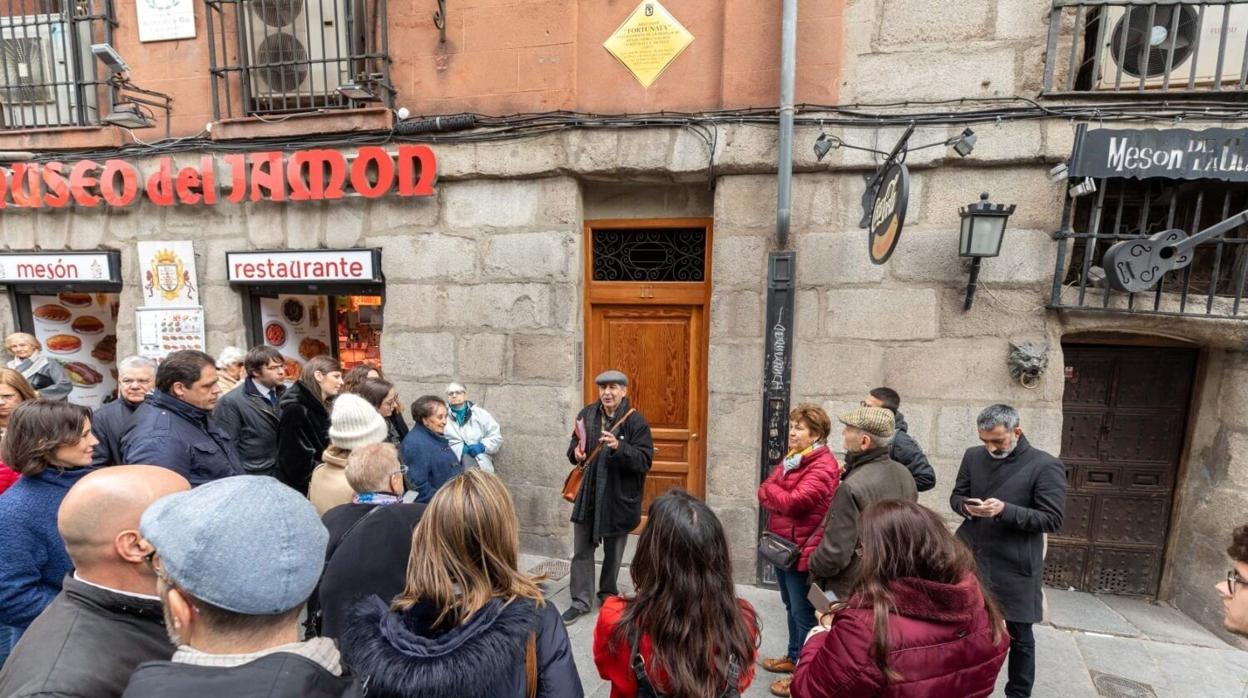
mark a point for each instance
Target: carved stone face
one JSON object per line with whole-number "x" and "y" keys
{"x": 1027, "y": 362}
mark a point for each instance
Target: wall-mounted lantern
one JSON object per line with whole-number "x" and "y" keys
{"x": 983, "y": 227}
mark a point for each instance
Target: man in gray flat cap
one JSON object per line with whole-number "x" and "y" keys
{"x": 871, "y": 475}
{"x": 235, "y": 560}
{"x": 612, "y": 440}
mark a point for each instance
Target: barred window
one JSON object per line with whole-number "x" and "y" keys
{"x": 48, "y": 76}
{"x": 1212, "y": 285}
{"x": 288, "y": 56}
{"x": 1143, "y": 47}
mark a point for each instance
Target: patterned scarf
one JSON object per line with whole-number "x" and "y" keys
{"x": 378, "y": 498}
{"x": 794, "y": 458}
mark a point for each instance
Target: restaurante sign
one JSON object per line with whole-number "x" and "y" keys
{"x": 301, "y": 175}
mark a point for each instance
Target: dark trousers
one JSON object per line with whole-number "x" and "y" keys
{"x": 583, "y": 547}
{"x": 1022, "y": 668}
{"x": 793, "y": 589}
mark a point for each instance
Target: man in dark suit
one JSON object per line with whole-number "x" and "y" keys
{"x": 1010, "y": 494}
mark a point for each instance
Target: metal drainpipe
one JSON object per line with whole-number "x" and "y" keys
{"x": 788, "y": 69}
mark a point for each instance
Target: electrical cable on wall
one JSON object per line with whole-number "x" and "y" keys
{"x": 488, "y": 129}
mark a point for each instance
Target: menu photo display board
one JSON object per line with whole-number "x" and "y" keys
{"x": 79, "y": 331}
{"x": 163, "y": 331}
{"x": 299, "y": 327}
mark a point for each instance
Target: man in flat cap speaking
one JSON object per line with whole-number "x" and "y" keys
{"x": 613, "y": 440}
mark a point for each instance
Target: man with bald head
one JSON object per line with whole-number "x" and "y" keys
{"x": 107, "y": 618}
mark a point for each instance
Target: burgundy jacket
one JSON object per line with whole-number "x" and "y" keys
{"x": 940, "y": 640}
{"x": 796, "y": 501}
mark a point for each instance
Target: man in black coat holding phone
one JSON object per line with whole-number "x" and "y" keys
{"x": 617, "y": 451}
{"x": 1010, "y": 494}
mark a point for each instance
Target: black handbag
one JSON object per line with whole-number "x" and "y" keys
{"x": 781, "y": 551}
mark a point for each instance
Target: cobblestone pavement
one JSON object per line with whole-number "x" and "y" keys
{"x": 1126, "y": 648}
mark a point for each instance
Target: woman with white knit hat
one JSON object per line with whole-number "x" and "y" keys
{"x": 352, "y": 424}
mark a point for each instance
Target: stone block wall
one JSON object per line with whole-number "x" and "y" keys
{"x": 1212, "y": 495}
{"x": 942, "y": 49}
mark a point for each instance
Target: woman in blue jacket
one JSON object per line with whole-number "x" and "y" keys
{"x": 468, "y": 624}
{"x": 428, "y": 455}
{"x": 50, "y": 443}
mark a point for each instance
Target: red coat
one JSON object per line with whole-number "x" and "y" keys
{"x": 615, "y": 663}
{"x": 941, "y": 645}
{"x": 797, "y": 500}
{"x": 8, "y": 476}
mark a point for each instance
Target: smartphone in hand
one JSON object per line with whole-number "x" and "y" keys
{"x": 820, "y": 599}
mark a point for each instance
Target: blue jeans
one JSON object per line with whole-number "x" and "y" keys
{"x": 793, "y": 589}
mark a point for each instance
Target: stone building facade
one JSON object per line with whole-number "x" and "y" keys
{"x": 485, "y": 282}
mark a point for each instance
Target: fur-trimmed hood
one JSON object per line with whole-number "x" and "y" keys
{"x": 397, "y": 654}
{"x": 934, "y": 601}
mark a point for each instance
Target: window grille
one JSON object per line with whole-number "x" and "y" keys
{"x": 274, "y": 57}
{"x": 1109, "y": 48}
{"x": 48, "y": 76}
{"x": 622, "y": 254}
{"x": 1213, "y": 285}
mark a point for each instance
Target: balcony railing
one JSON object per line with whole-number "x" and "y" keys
{"x": 48, "y": 76}
{"x": 1135, "y": 47}
{"x": 273, "y": 57}
{"x": 1213, "y": 285}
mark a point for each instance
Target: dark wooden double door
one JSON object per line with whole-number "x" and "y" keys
{"x": 1124, "y": 421}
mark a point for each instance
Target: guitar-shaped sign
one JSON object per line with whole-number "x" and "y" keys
{"x": 1137, "y": 265}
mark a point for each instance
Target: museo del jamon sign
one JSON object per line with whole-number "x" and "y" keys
{"x": 297, "y": 175}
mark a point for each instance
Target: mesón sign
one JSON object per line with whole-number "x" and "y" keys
{"x": 300, "y": 175}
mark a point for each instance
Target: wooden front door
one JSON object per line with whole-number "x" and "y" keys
{"x": 647, "y": 290}
{"x": 1124, "y": 420}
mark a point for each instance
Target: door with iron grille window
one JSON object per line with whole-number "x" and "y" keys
{"x": 1124, "y": 420}
{"x": 647, "y": 293}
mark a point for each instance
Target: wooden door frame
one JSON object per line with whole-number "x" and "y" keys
{"x": 657, "y": 293}
{"x": 1132, "y": 340}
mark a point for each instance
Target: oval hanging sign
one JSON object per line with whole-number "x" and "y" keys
{"x": 888, "y": 213}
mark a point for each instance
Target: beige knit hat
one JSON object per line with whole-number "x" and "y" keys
{"x": 355, "y": 423}
{"x": 876, "y": 421}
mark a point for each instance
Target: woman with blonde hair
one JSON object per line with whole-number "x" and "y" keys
{"x": 468, "y": 624}
{"x": 44, "y": 375}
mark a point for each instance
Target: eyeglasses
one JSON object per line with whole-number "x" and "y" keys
{"x": 863, "y": 403}
{"x": 401, "y": 471}
{"x": 157, "y": 569}
{"x": 1233, "y": 581}
{"x": 137, "y": 381}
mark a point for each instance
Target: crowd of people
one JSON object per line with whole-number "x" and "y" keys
{"x": 218, "y": 530}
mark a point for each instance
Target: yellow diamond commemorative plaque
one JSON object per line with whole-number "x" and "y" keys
{"x": 648, "y": 41}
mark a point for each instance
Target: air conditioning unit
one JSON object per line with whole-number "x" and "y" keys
{"x": 1148, "y": 45}
{"x": 38, "y": 74}
{"x": 300, "y": 51}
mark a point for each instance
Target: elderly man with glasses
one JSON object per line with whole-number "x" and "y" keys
{"x": 232, "y": 589}
{"x": 136, "y": 376}
{"x": 370, "y": 539}
{"x": 474, "y": 434}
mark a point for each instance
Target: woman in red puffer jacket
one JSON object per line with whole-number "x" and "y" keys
{"x": 796, "y": 496}
{"x": 919, "y": 623}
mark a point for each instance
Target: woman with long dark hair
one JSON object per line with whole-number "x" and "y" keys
{"x": 685, "y": 634}
{"x": 351, "y": 383}
{"x": 303, "y": 420}
{"x": 468, "y": 624}
{"x": 918, "y": 622}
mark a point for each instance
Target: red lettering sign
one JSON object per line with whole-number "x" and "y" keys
{"x": 304, "y": 175}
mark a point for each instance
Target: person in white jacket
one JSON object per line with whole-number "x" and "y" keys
{"x": 473, "y": 432}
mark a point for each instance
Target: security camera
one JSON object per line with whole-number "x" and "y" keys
{"x": 110, "y": 58}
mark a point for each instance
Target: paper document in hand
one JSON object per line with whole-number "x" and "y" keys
{"x": 580, "y": 434}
